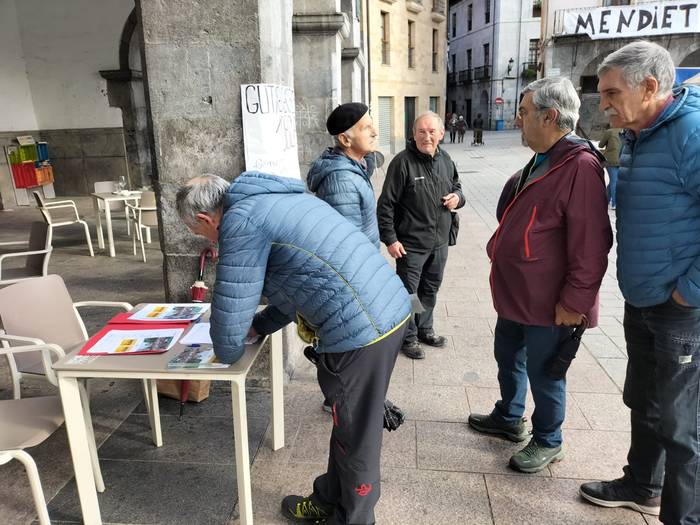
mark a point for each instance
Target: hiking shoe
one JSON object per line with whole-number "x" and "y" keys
{"x": 619, "y": 493}
{"x": 327, "y": 406}
{"x": 429, "y": 338}
{"x": 300, "y": 508}
{"x": 487, "y": 424}
{"x": 535, "y": 457}
{"x": 413, "y": 350}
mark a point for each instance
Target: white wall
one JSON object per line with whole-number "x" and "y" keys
{"x": 64, "y": 44}
{"x": 16, "y": 107}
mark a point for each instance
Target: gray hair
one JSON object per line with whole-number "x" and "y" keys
{"x": 429, "y": 114}
{"x": 556, "y": 93}
{"x": 640, "y": 60}
{"x": 203, "y": 194}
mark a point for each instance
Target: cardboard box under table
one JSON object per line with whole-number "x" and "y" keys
{"x": 153, "y": 367}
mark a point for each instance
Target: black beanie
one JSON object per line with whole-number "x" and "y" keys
{"x": 344, "y": 117}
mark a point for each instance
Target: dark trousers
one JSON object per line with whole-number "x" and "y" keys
{"x": 661, "y": 390}
{"x": 355, "y": 383}
{"x": 421, "y": 274}
{"x": 524, "y": 352}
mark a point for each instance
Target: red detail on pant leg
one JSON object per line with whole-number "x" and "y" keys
{"x": 364, "y": 489}
{"x": 341, "y": 448}
{"x": 335, "y": 416}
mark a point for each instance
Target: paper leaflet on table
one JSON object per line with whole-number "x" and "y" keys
{"x": 170, "y": 312}
{"x": 199, "y": 335}
{"x": 196, "y": 358}
{"x": 124, "y": 342}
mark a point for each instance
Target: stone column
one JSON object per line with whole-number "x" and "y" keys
{"x": 319, "y": 28}
{"x": 195, "y": 58}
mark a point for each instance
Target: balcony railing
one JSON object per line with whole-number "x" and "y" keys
{"x": 482, "y": 72}
{"x": 465, "y": 76}
{"x": 451, "y": 79}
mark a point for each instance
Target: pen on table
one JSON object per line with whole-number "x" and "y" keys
{"x": 184, "y": 390}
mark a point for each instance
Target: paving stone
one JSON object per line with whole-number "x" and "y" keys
{"x": 592, "y": 454}
{"x": 213, "y": 437}
{"x": 585, "y": 377}
{"x": 602, "y": 346}
{"x": 456, "y": 447}
{"x": 604, "y": 411}
{"x": 156, "y": 492}
{"x": 430, "y": 497}
{"x": 447, "y": 370}
{"x": 537, "y": 500}
{"x": 427, "y": 403}
{"x": 616, "y": 369}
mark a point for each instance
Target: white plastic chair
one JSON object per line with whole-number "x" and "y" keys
{"x": 40, "y": 311}
{"x": 36, "y": 252}
{"x": 47, "y": 206}
{"x": 28, "y": 422}
{"x": 109, "y": 186}
{"x": 145, "y": 217}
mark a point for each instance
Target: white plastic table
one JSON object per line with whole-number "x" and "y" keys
{"x": 153, "y": 367}
{"x": 106, "y": 198}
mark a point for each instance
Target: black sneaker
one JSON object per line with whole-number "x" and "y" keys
{"x": 299, "y": 508}
{"x": 619, "y": 493}
{"x": 429, "y": 338}
{"x": 413, "y": 350}
{"x": 487, "y": 424}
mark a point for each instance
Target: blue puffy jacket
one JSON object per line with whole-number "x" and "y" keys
{"x": 277, "y": 241}
{"x": 345, "y": 184}
{"x": 658, "y": 206}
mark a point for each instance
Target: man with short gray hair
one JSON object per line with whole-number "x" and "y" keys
{"x": 420, "y": 191}
{"x": 548, "y": 258}
{"x": 318, "y": 269}
{"x": 658, "y": 271}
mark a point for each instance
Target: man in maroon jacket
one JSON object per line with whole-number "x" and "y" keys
{"x": 548, "y": 257}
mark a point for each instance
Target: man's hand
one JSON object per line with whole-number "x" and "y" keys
{"x": 679, "y": 298}
{"x": 566, "y": 318}
{"x": 450, "y": 201}
{"x": 396, "y": 250}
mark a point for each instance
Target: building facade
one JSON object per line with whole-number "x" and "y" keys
{"x": 579, "y": 34}
{"x": 493, "y": 52}
{"x": 406, "y": 65}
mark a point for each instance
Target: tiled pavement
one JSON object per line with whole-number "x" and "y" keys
{"x": 435, "y": 470}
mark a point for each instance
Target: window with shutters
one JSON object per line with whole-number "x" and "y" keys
{"x": 385, "y": 29}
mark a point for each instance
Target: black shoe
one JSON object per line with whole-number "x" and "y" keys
{"x": 299, "y": 508}
{"x": 413, "y": 350}
{"x": 619, "y": 493}
{"x": 487, "y": 424}
{"x": 327, "y": 406}
{"x": 429, "y": 338}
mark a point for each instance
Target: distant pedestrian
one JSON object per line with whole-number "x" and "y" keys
{"x": 461, "y": 128}
{"x": 452, "y": 127}
{"x": 610, "y": 141}
{"x": 478, "y": 126}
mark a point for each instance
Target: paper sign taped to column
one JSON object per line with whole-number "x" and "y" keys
{"x": 269, "y": 129}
